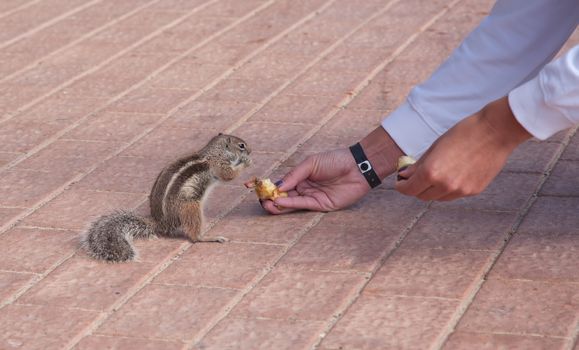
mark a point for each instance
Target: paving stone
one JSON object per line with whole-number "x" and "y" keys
{"x": 167, "y": 312}
{"x": 531, "y": 157}
{"x": 98, "y": 342}
{"x": 35, "y": 250}
{"x": 564, "y": 180}
{"x": 230, "y": 265}
{"x": 7, "y": 214}
{"x": 110, "y": 126}
{"x": 21, "y": 21}
{"x": 218, "y": 115}
{"x": 185, "y": 35}
{"x": 151, "y": 100}
{"x": 40, "y": 327}
{"x": 498, "y": 307}
{"x": 60, "y": 109}
{"x": 376, "y": 322}
{"x": 295, "y": 109}
{"x": 540, "y": 256}
{"x": 215, "y": 205}
{"x": 271, "y": 137}
{"x": 75, "y": 209}
{"x": 188, "y": 74}
{"x": 440, "y": 273}
{"x": 169, "y": 143}
{"x": 22, "y": 134}
{"x": 22, "y": 188}
{"x": 321, "y": 83}
{"x": 350, "y": 122}
{"x": 69, "y": 157}
{"x": 248, "y": 222}
{"x": 307, "y": 295}
{"x": 491, "y": 341}
{"x": 11, "y": 282}
{"x": 572, "y": 150}
{"x": 243, "y": 90}
{"x": 337, "y": 246}
{"x": 85, "y": 283}
{"x": 156, "y": 249}
{"x": 272, "y": 65}
{"x": 552, "y": 215}
{"x": 124, "y": 174}
{"x": 262, "y": 334}
{"x": 460, "y": 229}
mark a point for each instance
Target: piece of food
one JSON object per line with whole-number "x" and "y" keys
{"x": 265, "y": 189}
{"x": 403, "y": 163}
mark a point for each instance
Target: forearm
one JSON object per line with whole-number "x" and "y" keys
{"x": 508, "y": 48}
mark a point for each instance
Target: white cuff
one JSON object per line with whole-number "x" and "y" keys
{"x": 410, "y": 132}
{"x": 531, "y": 110}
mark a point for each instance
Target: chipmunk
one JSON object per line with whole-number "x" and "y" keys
{"x": 176, "y": 201}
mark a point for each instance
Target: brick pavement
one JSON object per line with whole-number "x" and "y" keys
{"x": 90, "y": 89}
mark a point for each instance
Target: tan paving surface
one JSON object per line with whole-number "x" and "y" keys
{"x": 95, "y": 96}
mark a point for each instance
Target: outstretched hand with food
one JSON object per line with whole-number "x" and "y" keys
{"x": 323, "y": 182}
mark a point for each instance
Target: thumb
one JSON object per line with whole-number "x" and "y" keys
{"x": 298, "y": 174}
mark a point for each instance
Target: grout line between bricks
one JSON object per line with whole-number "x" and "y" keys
{"x": 12, "y": 222}
{"x": 235, "y": 301}
{"x": 339, "y": 314}
{"x": 19, "y": 8}
{"x": 48, "y": 23}
{"x": 96, "y": 67}
{"x": 305, "y": 69}
{"x": 74, "y": 42}
{"x": 33, "y": 281}
{"x": 535, "y": 335}
{"x": 468, "y": 300}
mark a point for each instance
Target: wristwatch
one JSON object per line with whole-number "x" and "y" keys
{"x": 364, "y": 165}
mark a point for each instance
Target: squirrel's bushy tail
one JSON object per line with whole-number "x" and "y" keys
{"x": 110, "y": 236}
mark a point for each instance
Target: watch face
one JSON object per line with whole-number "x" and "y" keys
{"x": 364, "y": 166}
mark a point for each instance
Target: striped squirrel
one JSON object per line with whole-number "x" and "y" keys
{"x": 175, "y": 201}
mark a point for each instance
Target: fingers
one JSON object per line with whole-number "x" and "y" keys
{"x": 298, "y": 174}
{"x": 414, "y": 184}
{"x": 271, "y": 208}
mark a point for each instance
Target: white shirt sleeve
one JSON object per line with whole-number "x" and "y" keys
{"x": 509, "y": 47}
{"x": 549, "y": 102}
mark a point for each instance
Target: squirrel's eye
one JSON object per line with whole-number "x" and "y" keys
{"x": 242, "y": 146}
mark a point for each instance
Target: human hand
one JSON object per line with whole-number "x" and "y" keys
{"x": 322, "y": 182}
{"x": 467, "y": 158}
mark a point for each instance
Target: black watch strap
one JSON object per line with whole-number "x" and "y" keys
{"x": 364, "y": 165}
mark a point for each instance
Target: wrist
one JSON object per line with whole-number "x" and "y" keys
{"x": 381, "y": 151}
{"x": 503, "y": 123}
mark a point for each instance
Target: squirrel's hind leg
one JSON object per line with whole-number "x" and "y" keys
{"x": 191, "y": 219}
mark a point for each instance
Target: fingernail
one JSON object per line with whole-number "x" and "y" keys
{"x": 278, "y": 183}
